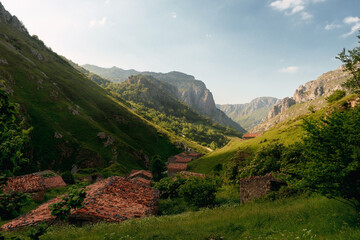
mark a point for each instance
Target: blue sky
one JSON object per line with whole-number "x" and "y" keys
{"x": 241, "y": 49}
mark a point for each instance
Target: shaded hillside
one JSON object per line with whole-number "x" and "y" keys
{"x": 248, "y": 115}
{"x": 150, "y": 98}
{"x": 311, "y": 95}
{"x": 75, "y": 121}
{"x": 188, "y": 90}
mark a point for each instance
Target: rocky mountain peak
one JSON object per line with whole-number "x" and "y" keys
{"x": 6, "y": 17}
{"x": 283, "y": 105}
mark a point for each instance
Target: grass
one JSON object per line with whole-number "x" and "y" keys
{"x": 312, "y": 217}
{"x": 47, "y": 103}
{"x": 286, "y": 132}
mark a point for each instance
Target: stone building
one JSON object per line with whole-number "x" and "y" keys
{"x": 254, "y": 187}
{"x": 174, "y": 168}
{"x": 114, "y": 199}
{"x": 35, "y": 184}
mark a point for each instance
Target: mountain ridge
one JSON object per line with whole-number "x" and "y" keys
{"x": 189, "y": 90}
{"x": 249, "y": 114}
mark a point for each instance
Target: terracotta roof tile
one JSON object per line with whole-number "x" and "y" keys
{"x": 113, "y": 199}
{"x": 177, "y": 166}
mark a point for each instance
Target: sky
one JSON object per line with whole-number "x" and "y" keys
{"x": 241, "y": 49}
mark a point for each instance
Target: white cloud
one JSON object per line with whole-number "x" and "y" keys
{"x": 208, "y": 35}
{"x": 355, "y": 22}
{"x": 332, "y": 26}
{"x": 173, "y": 15}
{"x": 107, "y": 1}
{"x": 94, "y": 23}
{"x": 306, "y": 16}
{"x": 290, "y": 7}
{"x": 290, "y": 69}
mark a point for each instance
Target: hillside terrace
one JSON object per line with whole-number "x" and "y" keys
{"x": 114, "y": 199}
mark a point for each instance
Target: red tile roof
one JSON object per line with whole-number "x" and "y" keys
{"x": 35, "y": 182}
{"x": 114, "y": 199}
{"x": 144, "y": 173}
{"x": 177, "y": 166}
{"x": 28, "y": 183}
{"x": 251, "y": 135}
{"x": 183, "y": 160}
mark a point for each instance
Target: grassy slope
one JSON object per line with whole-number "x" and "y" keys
{"x": 302, "y": 218}
{"x": 47, "y": 91}
{"x": 287, "y": 132}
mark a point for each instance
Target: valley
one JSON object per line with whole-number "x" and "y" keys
{"x": 90, "y": 152}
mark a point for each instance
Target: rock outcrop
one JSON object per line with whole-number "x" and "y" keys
{"x": 6, "y": 17}
{"x": 283, "y": 105}
{"x": 248, "y": 115}
{"x": 311, "y": 94}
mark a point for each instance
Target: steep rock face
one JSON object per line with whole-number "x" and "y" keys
{"x": 6, "y": 17}
{"x": 325, "y": 84}
{"x": 311, "y": 94}
{"x": 283, "y": 105}
{"x": 188, "y": 90}
{"x": 248, "y": 115}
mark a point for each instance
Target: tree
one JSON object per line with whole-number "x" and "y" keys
{"x": 199, "y": 192}
{"x": 13, "y": 136}
{"x": 330, "y": 163}
{"x": 351, "y": 61}
{"x": 157, "y": 167}
{"x": 12, "y": 139}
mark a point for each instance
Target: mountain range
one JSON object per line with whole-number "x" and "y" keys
{"x": 248, "y": 115}
{"x": 185, "y": 88}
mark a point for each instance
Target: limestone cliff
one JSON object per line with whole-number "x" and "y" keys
{"x": 311, "y": 94}
{"x": 188, "y": 90}
{"x": 248, "y": 115}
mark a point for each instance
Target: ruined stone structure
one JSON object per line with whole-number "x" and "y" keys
{"x": 174, "y": 168}
{"x": 35, "y": 184}
{"x": 258, "y": 186}
{"x": 114, "y": 199}
{"x": 141, "y": 176}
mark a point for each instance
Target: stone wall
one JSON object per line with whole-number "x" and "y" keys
{"x": 254, "y": 187}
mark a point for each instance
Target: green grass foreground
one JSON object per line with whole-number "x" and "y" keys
{"x": 297, "y": 218}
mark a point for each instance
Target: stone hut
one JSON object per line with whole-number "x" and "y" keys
{"x": 174, "y": 168}
{"x": 184, "y": 157}
{"x": 114, "y": 199}
{"x": 192, "y": 174}
{"x": 36, "y": 183}
{"x": 141, "y": 176}
{"x": 258, "y": 186}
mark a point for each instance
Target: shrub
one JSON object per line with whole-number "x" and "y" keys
{"x": 169, "y": 187}
{"x": 11, "y": 203}
{"x": 199, "y": 192}
{"x": 337, "y": 95}
{"x": 68, "y": 177}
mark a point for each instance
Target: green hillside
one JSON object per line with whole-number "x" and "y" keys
{"x": 151, "y": 99}
{"x": 285, "y": 132}
{"x": 295, "y": 218}
{"x": 75, "y": 121}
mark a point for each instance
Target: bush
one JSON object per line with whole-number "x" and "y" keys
{"x": 266, "y": 160}
{"x": 68, "y": 177}
{"x": 337, "y": 95}
{"x": 169, "y": 187}
{"x": 11, "y": 204}
{"x": 199, "y": 192}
